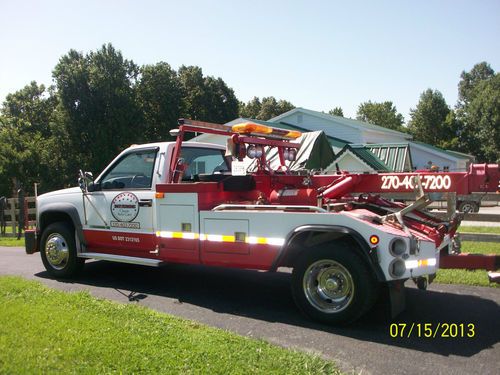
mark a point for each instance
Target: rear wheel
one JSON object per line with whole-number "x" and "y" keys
{"x": 468, "y": 207}
{"x": 334, "y": 286}
{"x": 58, "y": 251}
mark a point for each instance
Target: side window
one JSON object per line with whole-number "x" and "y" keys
{"x": 132, "y": 171}
{"x": 203, "y": 161}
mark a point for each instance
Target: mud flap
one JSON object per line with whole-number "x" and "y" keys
{"x": 396, "y": 297}
{"x": 30, "y": 242}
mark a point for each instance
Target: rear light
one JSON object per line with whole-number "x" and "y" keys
{"x": 397, "y": 268}
{"x": 290, "y": 154}
{"x": 397, "y": 247}
{"x": 374, "y": 240}
{"x": 254, "y": 151}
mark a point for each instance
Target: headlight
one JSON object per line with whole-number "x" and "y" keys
{"x": 397, "y": 268}
{"x": 397, "y": 247}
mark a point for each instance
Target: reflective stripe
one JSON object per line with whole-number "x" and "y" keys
{"x": 221, "y": 238}
{"x": 185, "y": 235}
{"x": 420, "y": 263}
{"x": 275, "y": 241}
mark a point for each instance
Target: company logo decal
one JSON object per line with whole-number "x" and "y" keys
{"x": 125, "y": 207}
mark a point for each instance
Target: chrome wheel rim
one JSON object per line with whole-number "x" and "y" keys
{"x": 57, "y": 251}
{"x": 328, "y": 286}
{"x": 467, "y": 208}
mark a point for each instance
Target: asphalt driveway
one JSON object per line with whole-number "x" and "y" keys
{"x": 260, "y": 305}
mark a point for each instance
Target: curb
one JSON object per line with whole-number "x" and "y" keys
{"x": 480, "y": 237}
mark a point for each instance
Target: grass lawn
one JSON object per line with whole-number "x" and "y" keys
{"x": 474, "y": 277}
{"x": 11, "y": 241}
{"x": 48, "y": 331}
{"x": 465, "y": 229}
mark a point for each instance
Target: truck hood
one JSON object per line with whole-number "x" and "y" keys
{"x": 72, "y": 190}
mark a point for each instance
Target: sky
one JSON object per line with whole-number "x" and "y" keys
{"x": 315, "y": 54}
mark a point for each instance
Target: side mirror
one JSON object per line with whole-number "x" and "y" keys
{"x": 93, "y": 186}
{"x": 84, "y": 179}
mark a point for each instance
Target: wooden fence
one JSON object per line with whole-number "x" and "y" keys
{"x": 12, "y": 214}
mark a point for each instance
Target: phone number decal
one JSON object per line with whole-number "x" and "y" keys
{"x": 432, "y": 182}
{"x": 432, "y": 330}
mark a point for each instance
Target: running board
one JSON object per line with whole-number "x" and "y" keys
{"x": 122, "y": 259}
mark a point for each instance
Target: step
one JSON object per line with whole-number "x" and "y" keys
{"x": 122, "y": 259}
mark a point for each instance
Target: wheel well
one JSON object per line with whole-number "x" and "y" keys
{"x": 50, "y": 217}
{"x": 312, "y": 239}
{"x": 308, "y": 241}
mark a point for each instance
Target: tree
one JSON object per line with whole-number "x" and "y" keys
{"x": 337, "y": 111}
{"x": 28, "y": 150}
{"x": 478, "y": 112}
{"x": 32, "y": 106}
{"x": 429, "y": 121}
{"x": 266, "y": 109}
{"x": 159, "y": 97}
{"x": 97, "y": 105}
{"x": 470, "y": 80}
{"x": 206, "y": 98}
{"x": 222, "y": 103}
{"x": 250, "y": 109}
{"x": 481, "y": 119}
{"x": 382, "y": 114}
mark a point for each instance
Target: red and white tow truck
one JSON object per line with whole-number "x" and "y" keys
{"x": 195, "y": 203}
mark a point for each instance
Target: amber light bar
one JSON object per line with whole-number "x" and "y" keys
{"x": 258, "y": 129}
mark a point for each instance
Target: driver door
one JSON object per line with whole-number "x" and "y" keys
{"x": 119, "y": 213}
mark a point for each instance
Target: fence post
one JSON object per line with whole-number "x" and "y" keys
{"x": 3, "y": 208}
{"x": 20, "y": 222}
{"x": 12, "y": 202}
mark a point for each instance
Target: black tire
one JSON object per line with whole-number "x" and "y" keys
{"x": 58, "y": 251}
{"x": 468, "y": 207}
{"x": 422, "y": 283}
{"x": 342, "y": 275}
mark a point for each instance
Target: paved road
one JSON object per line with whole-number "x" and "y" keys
{"x": 260, "y": 305}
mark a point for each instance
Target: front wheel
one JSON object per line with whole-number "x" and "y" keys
{"x": 333, "y": 286}
{"x": 58, "y": 251}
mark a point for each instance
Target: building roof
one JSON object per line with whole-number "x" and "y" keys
{"x": 341, "y": 120}
{"x": 461, "y": 155}
{"x": 396, "y": 156}
{"x": 453, "y": 154}
{"x": 365, "y": 155}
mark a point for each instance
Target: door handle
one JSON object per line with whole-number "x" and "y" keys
{"x": 146, "y": 203}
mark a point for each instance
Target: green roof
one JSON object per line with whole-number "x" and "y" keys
{"x": 396, "y": 156}
{"x": 366, "y": 156}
